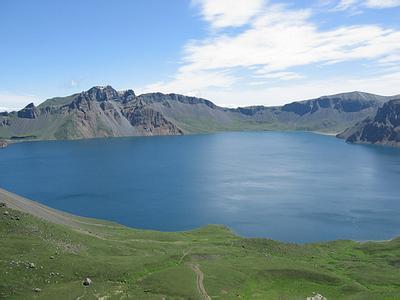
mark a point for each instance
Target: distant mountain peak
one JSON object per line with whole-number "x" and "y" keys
{"x": 101, "y": 87}
{"x": 30, "y": 105}
{"x": 103, "y": 111}
{"x": 100, "y": 93}
{"x": 29, "y": 112}
{"x": 357, "y": 95}
{"x": 383, "y": 128}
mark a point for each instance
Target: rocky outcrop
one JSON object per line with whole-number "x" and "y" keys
{"x": 5, "y": 122}
{"x": 160, "y": 97}
{"x": 87, "y": 281}
{"x": 98, "y": 112}
{"x": 104, "y": 112}
{"x": 250, "y": 110}
{"x": 346, "y": 103}
{"x": 152, "y": 121}
{"x": 382, "y": 129}
{"x": 3, "y": 144}
{"x": 29, "y": 112}
{"x": 316, "y": 296}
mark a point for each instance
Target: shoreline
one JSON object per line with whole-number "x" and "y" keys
{"x": 55, "y": 216}
{"x": 3, "y": 144}
{"x": 333, "y": 134}
{"x": 25, "y": 140}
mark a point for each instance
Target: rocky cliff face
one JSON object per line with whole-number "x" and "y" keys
{"x": 325, "y": 114}
{"x": 383, "y": 128}
{"x": 3, "y": 144}
{"x": 345, "y": 103}
{"x": 105, "y": 112}
{"x": 29, "y": 112}
{"x": 153, "y": 122}
{"x": 98, "y": 112}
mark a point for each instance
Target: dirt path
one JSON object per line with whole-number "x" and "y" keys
{"x": 184, "y": 254}
{"x": 199, "y": 282}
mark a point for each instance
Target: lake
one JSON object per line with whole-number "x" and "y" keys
{"x": 289, "y": 186}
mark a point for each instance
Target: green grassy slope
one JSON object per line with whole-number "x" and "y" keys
{"x": 126, "y": 263}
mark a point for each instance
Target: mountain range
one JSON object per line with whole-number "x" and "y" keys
{"x": 105, "y": 112}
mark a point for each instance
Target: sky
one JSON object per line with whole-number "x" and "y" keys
{"x": 235, "y": 53}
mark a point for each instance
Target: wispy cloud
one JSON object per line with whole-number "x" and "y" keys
{"x": 73, "y": 83}
{"x": 228, "y": 13}
{"x": 10, "y": 101}
{"x": 382, "y": 3}
{"x": 392, "y": 59}
{"x": 192, "y": 83}
{"x": 374, "y": 4}
{"x": 346, "y": 4}
{"x": 278, "y": 75}
{"x": 383, "y": 84}
{"x": 275, "y": 40}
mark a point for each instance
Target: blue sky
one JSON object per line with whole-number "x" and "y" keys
{"x": 235, "y": 53}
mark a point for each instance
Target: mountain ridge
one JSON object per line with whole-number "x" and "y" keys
{"x": 103, "y": 111}
{"x": 381, "y": 129}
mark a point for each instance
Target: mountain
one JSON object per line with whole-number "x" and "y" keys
{"x": 105, "y": 112}
{"x": 98, "y": 112}
{"x": 382, "y": 129}
{"x": 325, "y": 114}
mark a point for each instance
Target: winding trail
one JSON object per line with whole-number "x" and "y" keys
{"x": 199, "y": 282}
{"x": 58, "y": 217}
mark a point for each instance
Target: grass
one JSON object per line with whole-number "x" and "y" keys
{"x": 127, "y": 263}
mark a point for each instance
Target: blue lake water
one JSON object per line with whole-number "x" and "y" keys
{"x": 289, "y": 186}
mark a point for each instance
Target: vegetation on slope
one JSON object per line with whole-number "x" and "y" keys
{"x": 126, "y": 263}
{"x": 105, "y": 112}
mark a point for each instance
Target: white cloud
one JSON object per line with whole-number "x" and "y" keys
{"x": 192, "y": 83}
{"x": 228, "y": 13}
{"x": 391, "y": 60}
{"x": 278, "y": 75}
{"x": 382, "y": 3}
{"x": 277, "y": 40}
{"x": 346, "y": 4}
{"x": 358, "y": 4}
{"x": 292, "y": 41}
{"x": 10, "y": 102}
{"x": 384, "y": 84}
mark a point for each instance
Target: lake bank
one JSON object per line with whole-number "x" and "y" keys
{"x": 260, "y": 184}
{"x": 209, "y": 261}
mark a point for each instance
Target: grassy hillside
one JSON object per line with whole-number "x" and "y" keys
{"x": 126, "y": 263}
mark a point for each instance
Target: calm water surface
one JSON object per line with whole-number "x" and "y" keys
{"x": 289, "y": 186}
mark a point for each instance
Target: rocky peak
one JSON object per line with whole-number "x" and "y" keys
{"x": 100, "y": 93}
{"x": 29, "y": 112}
{"x": 382, "y": 129}
{"x": 3, "y": 144}
{"x": 389, "y": 113}
{"x": 345, "y": 102}
{"x": 30, "y": 105}
{"x": 127, "y": 95}
{"x": 162, "y": 98}
{"x": 105, "y": 93}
